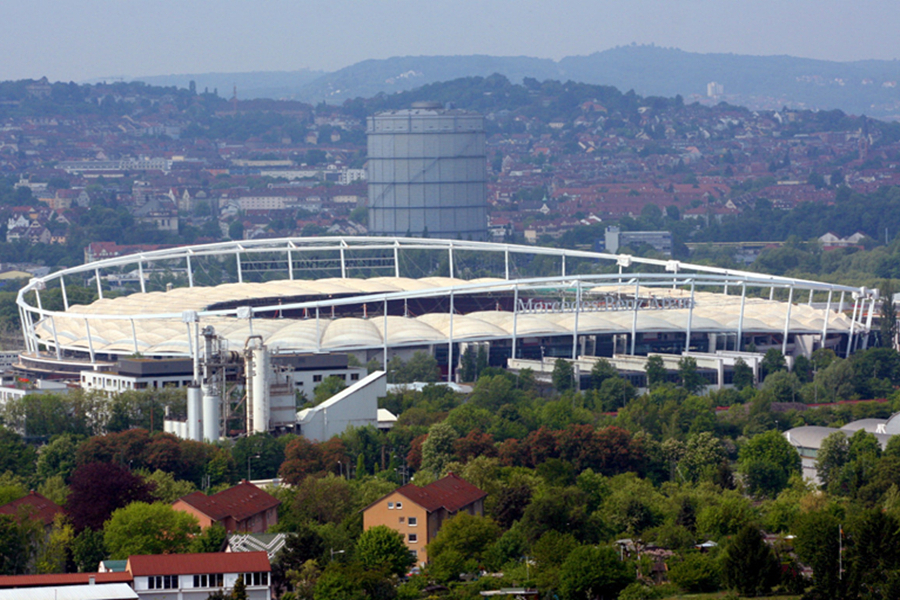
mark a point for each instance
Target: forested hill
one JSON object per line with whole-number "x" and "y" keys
{"x": 758, "y": 82}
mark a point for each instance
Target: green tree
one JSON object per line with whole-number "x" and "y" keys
{"x": 15, "y": 546}
{"x": 211, "y": 539}
{"x": 382, "y": 548}
{"x": 437, "y": 450}
{"x": 591, "y": 573}
{"x": 563, "y": 375}
{"x": 749, "y": 565}
{"x": 601, "y": 371}
{"x": 142, "y": 528}
{"x": 614, "y": 393}
{"x": 481, "y": 360}
{"x": 817, "y": 543}
{"x": 696, "y": 573}
{"x": 783, "y": 386}
{"x": 656, "y": 371}
{"x": 239, "y": 591}
{"x": 467, "y": 368}
{"x": 690, "y": 378}
{"x": 165, "y": 488}
{"x": 833, "y": 454}
{"x": 743, "y": 374}
{"x": 88, "y": 550}
{"x": 461, "y": 545}
{"x": 769, "y": 460}
{"x": 57, "y": 457}
{"x": 330, "y": 386}
{"x": 772, "y": 362}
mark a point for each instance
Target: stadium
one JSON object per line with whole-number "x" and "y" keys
{"x": 377, "y": 297}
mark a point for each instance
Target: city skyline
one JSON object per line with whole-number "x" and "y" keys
{"x": 123, "y": 38}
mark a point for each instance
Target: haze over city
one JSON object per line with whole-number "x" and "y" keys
{"x": 108, "y": 38}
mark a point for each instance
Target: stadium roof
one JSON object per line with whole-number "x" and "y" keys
{"x": 156, "y": 323}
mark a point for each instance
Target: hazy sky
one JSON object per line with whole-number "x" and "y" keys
{"x": 82, "y": 39}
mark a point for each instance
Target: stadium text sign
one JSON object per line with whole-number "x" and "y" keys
{"x": 606, "y": 303}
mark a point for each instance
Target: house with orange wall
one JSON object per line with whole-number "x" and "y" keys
{"x": 244, "y": 508}
{"x": 418, "y": 512}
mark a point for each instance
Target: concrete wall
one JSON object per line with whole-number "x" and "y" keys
{"x": 356, "y": 406}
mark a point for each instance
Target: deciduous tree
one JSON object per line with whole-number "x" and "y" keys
{"x": 382, "y": 548}
{"x": 591, "y": 573}
{"x": 142, "y": 528}
{"x": 98, "y": 489}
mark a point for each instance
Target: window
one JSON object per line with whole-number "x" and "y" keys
{"x": 162, "y": 582}
{"x": 257, "y": 578}
{"x": 413, "y": 538}
{"x": 317, "y": 378}
{"x": 390, "y": 506}
{"x": 413, "y": 521}
{"x": 399, "y": 505}
{"x": 354, "y": 376}
{"x": 402, "y": 519}
{"x": 201, "y": 581}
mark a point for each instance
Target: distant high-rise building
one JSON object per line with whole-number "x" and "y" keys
{"x": 427, "y": 173}
{"x": 713, "y": 89}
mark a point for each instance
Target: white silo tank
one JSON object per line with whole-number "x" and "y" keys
{"x": 194, "y": 413}
{"x": 210, "y": 416}
{"x": 260, "y": 389}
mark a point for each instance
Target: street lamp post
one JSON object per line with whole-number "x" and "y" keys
{"x": 249, "y": 458}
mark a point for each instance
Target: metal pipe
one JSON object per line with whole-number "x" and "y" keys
{"x": 687, "y": 339}
{"x": 55, "y": 337}
{"x": 787, "y": 321}
{"x": 515, "y": 320}
{"x": 634, "y": 316}
{"x": 384, "y": 335}
{"x": 190, "y": 272}
{"x": 87, "y": 328}
{"x": 577, "y": 311}
{"x": 825, "y": 324}
{"x": 65, "y": 296}
{"x": 450, "y": 253}
{"x": 739, "y": 342}
{"x": 852, "y": 327}
{"x": 450, "y": 344}
{"x": 396, "y": 259}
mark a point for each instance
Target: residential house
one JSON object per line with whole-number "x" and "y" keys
{"x": 419, "y": 512}
{"x": 33, "y": 506}
{"x": 196, "y": 576}
{"x": 244, "y": 508}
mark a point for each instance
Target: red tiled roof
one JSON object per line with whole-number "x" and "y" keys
{"x": 188, "y": 564}
{"x": 21, "y": 581}
{"x": 451, "y": 493}
{"x": 33, "y": 505}
{"x": 239, "y": 502}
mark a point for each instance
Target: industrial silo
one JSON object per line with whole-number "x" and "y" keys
{"x": 427, "y": 173}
